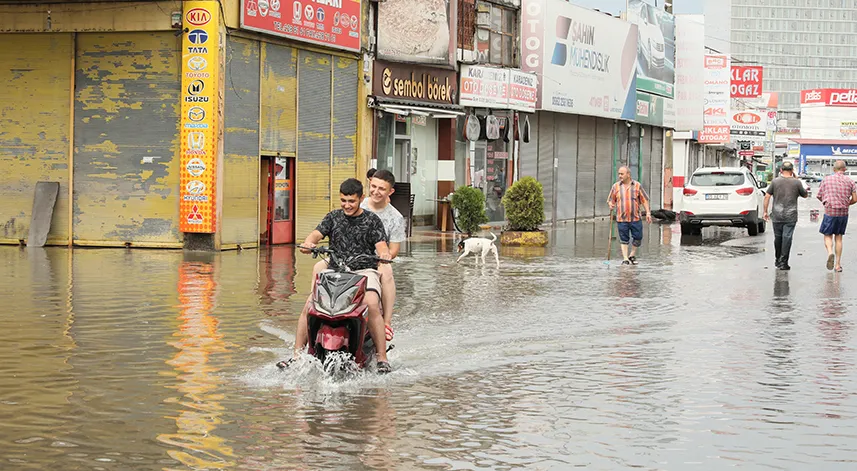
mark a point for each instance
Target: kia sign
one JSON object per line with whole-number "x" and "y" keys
{"x": 842, "y": 97}
{"x": 746, "y": 81}
{"x": 749, "y": 123}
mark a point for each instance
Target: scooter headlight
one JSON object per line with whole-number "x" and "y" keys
{"x": 322, "y": 300}
{"x": 345, "y": 302}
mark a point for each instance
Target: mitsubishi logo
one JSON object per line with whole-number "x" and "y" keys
{"x": 194, "y": 217}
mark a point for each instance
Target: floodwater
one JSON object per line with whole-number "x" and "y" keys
{"x": 702, "y": 357}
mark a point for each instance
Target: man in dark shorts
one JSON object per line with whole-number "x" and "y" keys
{"x": 353, "y": 231}
{"x": 625, "y": 198}
{"x": 784, "y": 190}
{"x": 837, "y": 193}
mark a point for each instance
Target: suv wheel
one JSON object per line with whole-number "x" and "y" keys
{"x": 689, "y": 229}
{"x": 753, "y": 228}
{"x": 761, "y": 227}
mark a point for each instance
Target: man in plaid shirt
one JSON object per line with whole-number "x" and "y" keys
{"x": 837, "y": 193}
{"x": 625, "y": 198}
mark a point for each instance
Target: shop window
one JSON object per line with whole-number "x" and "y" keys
{"x": 496, "y": 30}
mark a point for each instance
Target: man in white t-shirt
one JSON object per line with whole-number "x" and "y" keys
{"x": 380, "y": 189}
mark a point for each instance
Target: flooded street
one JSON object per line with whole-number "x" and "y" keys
{"x": 702, "y": 357}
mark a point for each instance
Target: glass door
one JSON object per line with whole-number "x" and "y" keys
{"x": 283, "y": 218}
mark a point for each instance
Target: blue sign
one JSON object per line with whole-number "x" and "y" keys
{"x": 198, "y": 36}
{"x": 802, "y": 166}
{"x": 828, "y": 150}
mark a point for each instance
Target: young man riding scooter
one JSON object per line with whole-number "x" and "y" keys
{"x": 352, "y": 231}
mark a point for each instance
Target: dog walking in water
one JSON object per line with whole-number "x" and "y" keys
{"x": 479, "y": 246}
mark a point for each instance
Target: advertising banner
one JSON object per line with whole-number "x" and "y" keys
{"x": 333, "y": 23}
{"x": 829, "y": 97}
{"x": 690, "y": 72}
{"x": 716, "y": 113}
{"x": 489, "y": 87}
{"x": 746, "y": 81}
{"x": 415, "y": 83}
{"x": 749, "y": 123}
{"x": 199, "y": 112}
{"x": 656, "y": 48}
{"x": 848, "y": 129}
{"x": 655, "y": 110}
{"x": 585, "y": 60}
{"x": 415, "y": 31}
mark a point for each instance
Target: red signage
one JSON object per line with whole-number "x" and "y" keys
{"x": 198, "y": 16}
{"x": 829, "y": 97}
{"x": 746, "y": 81}
{"x": 714, "y": 135}
{"x": 332, "y": 23}
{"x": 747, "y": 118}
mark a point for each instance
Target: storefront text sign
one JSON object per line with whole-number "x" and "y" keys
{"x": 746, "y": 81}
{"x": 415, "y": 83}
{"x": 199, "y": 111}
{"x": 332, "y": 23}
{"x": 716, "y": 111}
{"x": 488, "y": 87}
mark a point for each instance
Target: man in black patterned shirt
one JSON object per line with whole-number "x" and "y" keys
{"x": 353, "y": 231}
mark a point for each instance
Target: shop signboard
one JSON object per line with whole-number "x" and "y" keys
{"x": 411, "y": 82}
{"x": 690, "y": 72}
{"x": 416, "y": 31}
{"x": 749, "y": 123}
{"x": 828, "y": 151}
{"x": 656, "y": 48}
{"x": 844, "y": 97}
{"x": 585, "y": 60}
{"x": 848, "y": 129}
{"x": 655, "y": 110}
{"x": 490, "y": 87}
{"x": 716, "y": 112}
{"x": 199, "y": 112}
{"x": 746, "y": 81}
{"x": 331, "y": 23}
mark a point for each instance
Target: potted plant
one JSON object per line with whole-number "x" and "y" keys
{"x": 470, "y": 205}
{"x": 524, "y": 203}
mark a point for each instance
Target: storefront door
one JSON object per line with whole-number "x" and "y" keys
{"x": 280, "y": 201}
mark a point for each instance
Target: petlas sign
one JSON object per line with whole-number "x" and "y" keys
{"x": 829, "y": 97}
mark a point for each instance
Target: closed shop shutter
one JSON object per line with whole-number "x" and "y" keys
{"x": 657, "y": 188}
{"x": 314, "y": 143}
{"x": 279, "y": 99}
{"x": 35, "y": 70}
{"x": 126, "y": 167}
{"x": 634, "y": 151}
{"x": 566, "y": 151}
{"x": 603, "y": 165}
{"x": 646, "y": 177}
{"x": 546, "y": 156}
{"x": 586, "y": 167}
{"x": 345, "y": 77}
{"x": 239, "y": 222}
{"x": 530, "y": 150}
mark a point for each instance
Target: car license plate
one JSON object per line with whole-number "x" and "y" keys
{"x": 716, "y": 196}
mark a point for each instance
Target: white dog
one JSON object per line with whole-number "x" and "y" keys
{"x": 478, "y": 246}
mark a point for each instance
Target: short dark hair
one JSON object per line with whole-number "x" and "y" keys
{"x": 352, "y": 186}
{"x": 385, "y": 175}
{"x": 370, "y": 173}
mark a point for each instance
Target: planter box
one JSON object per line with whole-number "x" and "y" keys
{"x": 524, "y": 239}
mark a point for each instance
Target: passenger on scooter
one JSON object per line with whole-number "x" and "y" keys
{"x": 353, "y": 231}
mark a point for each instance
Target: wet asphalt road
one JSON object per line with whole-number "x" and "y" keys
{"x": 702, "y": 357}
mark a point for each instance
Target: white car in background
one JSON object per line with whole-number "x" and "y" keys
{"x": 728, "y": 196}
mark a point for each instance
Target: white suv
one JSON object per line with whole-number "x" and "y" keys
{"x": 722, "y": 197}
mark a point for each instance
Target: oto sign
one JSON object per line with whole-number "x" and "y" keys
{"x": 746, "y": 81}
{"x": 842, "y": 97}
{"x": 716, "y": 104}
{"x": 199, "y": 111}
{"x": 749, "y": 123}
{"x": 331, "y": 23}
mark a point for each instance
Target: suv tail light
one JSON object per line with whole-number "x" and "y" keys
{"x": 745, "y": 191}
{"x": 689, "y": 192}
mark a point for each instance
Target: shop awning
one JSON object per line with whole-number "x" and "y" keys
{"x": 406, "y": 108}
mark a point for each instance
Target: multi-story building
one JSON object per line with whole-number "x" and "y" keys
{"x": 802, "y": 45}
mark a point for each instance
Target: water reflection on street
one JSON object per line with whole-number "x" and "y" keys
{"x": 702, "y": 356}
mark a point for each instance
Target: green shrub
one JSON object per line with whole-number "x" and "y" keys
{"x": 525, "y": 205}
{"x": 470, "y": 203}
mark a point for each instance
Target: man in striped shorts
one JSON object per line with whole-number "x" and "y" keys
{"x": 837, "y": 193}
{"x": 625, "y": 199}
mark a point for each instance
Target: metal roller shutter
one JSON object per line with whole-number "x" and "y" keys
{"x": 344, "y": 164}
{"x": 279, "y": 99}
{"x": 634, "y": 151}
{"x": 126, "y": 131}
{"x": 35, "y": 70}
{"x": 240, "y": 224}
{"x": 656, "y": 190}
{"x": 546, "y": 156}
{"x": 314, "y": 143}
{"x": 586, "y": 133}
{"x": 566, "y": 151}
{"x": 603, "y": 165}
{"x": 530, "y": 150}
{"x": 646, "y": 161}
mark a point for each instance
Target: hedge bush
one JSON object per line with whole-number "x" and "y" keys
{"x": 525, "y": 205}
{"x": 470, "y": 203}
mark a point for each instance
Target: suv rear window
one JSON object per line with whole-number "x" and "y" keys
{"x": 717, "y": 179}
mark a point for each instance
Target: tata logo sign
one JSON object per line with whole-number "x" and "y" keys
{"x": 198, "y": 16}
{"x": 747, "y": 118}
{"x": 198, "y": 36}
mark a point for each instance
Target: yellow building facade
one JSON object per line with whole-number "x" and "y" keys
{"x": 172, "y": 127}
